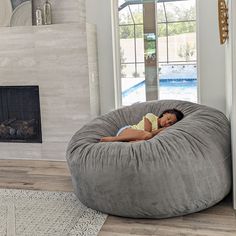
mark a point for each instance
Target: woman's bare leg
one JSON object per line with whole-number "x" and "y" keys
{"x": 129, "y": 134}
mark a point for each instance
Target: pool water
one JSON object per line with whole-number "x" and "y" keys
{"x": 178, "y": 89}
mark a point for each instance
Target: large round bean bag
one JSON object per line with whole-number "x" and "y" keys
{"x": 184, "y": 169}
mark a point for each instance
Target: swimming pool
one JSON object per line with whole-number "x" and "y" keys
{"x": 179, "y": 89}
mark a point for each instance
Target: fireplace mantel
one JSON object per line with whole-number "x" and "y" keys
{"x": 55, "y": 58}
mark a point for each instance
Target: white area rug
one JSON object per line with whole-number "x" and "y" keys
{"x": 39, "y": 213}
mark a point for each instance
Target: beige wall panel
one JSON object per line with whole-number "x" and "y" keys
{"x": 55, "y": 59}
{"x": 93, "y": 69}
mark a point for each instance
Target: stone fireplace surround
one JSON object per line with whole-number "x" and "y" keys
{"x": 55, "y": 58}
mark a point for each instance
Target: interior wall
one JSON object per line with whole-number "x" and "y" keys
{"x": 230, "y": 54}
{"x": 211, "y": 57}
{"x": 55, "y": 58}
{"x": 99, "y": 13}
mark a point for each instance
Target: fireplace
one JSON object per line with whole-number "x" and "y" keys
{"x": 20, "y": 114}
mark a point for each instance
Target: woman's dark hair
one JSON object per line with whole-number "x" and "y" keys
{"x": 179, "y": 114}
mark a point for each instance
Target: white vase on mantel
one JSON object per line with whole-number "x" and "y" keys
{"x": 39, "y": 18}
{"x": 47, "y": 13}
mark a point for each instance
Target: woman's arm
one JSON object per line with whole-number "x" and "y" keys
{"x": 147, "y": 125}
{"x": 157, "y": 131}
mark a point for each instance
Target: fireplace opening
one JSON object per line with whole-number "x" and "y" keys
{"x": 20, "y": 114}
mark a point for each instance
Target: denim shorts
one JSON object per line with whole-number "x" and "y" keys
{"x": 122, "y": 129}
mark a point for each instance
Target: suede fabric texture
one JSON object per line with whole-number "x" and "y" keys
{"x": 184, "y": 169}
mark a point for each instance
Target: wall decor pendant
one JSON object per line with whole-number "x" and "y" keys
{"x": 223, "y": 21}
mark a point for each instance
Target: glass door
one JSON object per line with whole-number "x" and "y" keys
{"x": 157, "y": 50}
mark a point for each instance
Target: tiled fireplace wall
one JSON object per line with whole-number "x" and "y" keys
{"x": 55, "y": 58}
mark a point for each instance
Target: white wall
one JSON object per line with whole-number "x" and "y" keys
{"x": 99, "y": 13}
{"x": 231, "y": 85}
{"x": 211, "y": 55}
{"x": 229, "y": 60}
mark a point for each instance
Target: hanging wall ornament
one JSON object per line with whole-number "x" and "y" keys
{"x": 223, "y": 21}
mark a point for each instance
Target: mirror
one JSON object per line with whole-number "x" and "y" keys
{"x": 15, "y": 12}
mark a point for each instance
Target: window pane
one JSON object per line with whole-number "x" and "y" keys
{"x": 141, "y": 70}
{"x": 139, "y": 43}
{"x": 132, "y": 83}
{"x": 127, "y": 50}
{"x": 178, "y": 82}
{"x": 131, "y": 14}
{"x": 181, "y": 27}
{"x": 127, "y": 70}
{"x": 125, "y": 16}
{"x": 160, "y": 12}
{"x": 182, "y": 46}
{"x": 120, "y": 2}
{"x": 176, "y": 50}
{"x": 161, "y": 30}
{"x": 162, "y": 43}
{"x": 133, "y": 90}
{"x": 126, "y": 31}
{"x": 137, "y": 13}
{"x": 180, "y": 10}
{"x": 139, "y": 31}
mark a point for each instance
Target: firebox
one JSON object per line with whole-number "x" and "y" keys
{"x": 20, "y": 114}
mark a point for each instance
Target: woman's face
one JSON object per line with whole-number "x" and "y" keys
{"x": 167, "y": 120}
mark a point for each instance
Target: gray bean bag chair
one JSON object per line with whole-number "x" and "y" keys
{"x": 184, "y": 169}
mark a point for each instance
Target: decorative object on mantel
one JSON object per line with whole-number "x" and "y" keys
{"x": 5, "y": 12}
{"x": 15, "y": 12}
{"x": 223, "y": 21}
{"x": 22, "y": 15}
{"x": 26, "y": 212}
{"x": 16, "y": 3}
{"x": 47, "y": 13}
{"x": 39, "y": 17}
